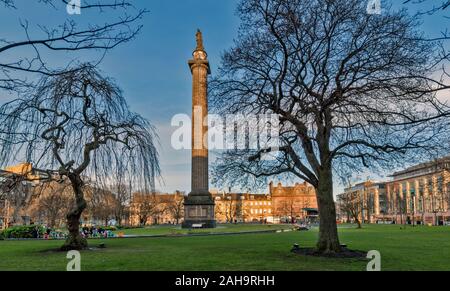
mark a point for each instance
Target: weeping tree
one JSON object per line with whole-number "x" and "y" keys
{"x": 352, "y": 91}
{"x": 76, "y": 126}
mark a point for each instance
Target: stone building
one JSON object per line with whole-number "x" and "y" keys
{"x": 420, "y": 194}
{"x": 296, "y": 202}
{"x": 282, "y": 204}
{"x": 156, "y": 208}
{"x": 279, "y": 206}
{"x": 417, "y": 195}
{"x": 243, "y": 207}
{"x": 366, "y": 200}
{"x": 16, "y": 193}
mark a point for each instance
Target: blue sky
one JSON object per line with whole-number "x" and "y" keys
{"x": 152, "y": 69}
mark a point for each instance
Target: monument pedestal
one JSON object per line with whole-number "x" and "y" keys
{"x": 199, "y": 209}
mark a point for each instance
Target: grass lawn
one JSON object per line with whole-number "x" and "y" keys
{"x": 225, "y": 228}
{"x": 419, "y": 248}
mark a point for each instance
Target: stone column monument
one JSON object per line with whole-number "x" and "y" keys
{"x": 199, "y": 204}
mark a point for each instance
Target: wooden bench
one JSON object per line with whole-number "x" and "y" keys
{"x": 197, "y": 225}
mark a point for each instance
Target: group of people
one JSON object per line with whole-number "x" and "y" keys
{"x": 94, "y": 232}
{"x": 48, "y": 233}
{"x": 86, "y": 232}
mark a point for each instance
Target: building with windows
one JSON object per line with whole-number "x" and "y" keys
{"x": 243, "y": 207}
{"x": 156, "y": 208}
{"x": 420, "y": 194}
{"x": 365, "y": 200}
{"x": 16, "y": 189}
{"x": 281, "y": 205}
{"x": 293, "y": 203}
{"x": 416, "y": 195}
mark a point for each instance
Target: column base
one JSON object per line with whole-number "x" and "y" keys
{"x": 205, "y": 224}
{"x": 199, "y": 211}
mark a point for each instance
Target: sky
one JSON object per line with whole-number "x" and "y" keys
{"x": 152, "y": 70}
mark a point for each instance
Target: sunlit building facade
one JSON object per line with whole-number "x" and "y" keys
{"x": 368, "y": 199}
{"x": 417, "y": 195}
{"x": 243, "y": 207}
{"x": 420, "y": 194}
{"x": 294, "y": 203}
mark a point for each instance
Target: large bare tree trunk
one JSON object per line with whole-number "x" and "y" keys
{"x": 75, "y": 241}
{"x": 328, "y": 237}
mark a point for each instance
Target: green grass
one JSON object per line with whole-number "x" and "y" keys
{"x": 419, "y": 248}
{"x": 224, "y": 228}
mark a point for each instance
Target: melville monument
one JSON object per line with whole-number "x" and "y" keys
{"x": 199, "y": 204}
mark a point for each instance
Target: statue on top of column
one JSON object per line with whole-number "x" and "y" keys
{"x": 199, "y": 40}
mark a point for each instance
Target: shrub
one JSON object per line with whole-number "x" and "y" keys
{"x": 26, "y": 231}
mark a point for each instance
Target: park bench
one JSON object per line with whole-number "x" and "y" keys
{"x": 197, "y": 225}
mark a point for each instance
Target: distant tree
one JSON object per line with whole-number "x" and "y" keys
{"x": 352, "y": 205}
{"x": 175, "y": 207}
{"x": 286, "y": 208}
{"x": 76, "y": 125}
{"x": 147, "y": 207}
{"x": 101, "y": 203}
{"x": 122, "y": 199}
{"x": 352, "y": 90}
{"x": 53, "y": 202}
{"x": 16, "y": 193}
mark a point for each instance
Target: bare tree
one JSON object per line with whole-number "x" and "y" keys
{"x": 122, "y": 199}
{"x": 101, "y": 203}
{"x": 53, "y": 201}
{"x": 351, "y": 205}
{"x": 286, "y": 208}
{"x": 16, "y": 192}
{"x": 435, "y": 6}
{"x": 77, "y": 125}
{"x": 146, "y": 207}
{"x": 351, "y": 90}
{"x": 230, "y": 209}
{"x": 175, "y": 207}
{"x": 35, "y": 53}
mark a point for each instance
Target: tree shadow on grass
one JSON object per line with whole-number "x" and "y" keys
{"x": 344, "y": 254}
{"x": 96, "y": 248}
